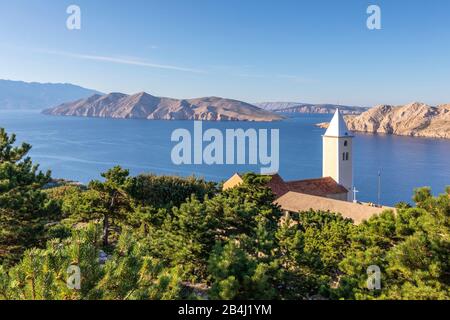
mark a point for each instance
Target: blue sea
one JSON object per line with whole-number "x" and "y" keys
{"x": 81, "y": 148}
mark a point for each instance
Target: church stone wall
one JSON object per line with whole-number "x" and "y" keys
{"x": 330, "y": 161}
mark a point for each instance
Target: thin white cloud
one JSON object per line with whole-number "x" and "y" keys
{"x": 126, "y": 61}
{"x": 295, "y": 78}
{"x": 247, "y": 75}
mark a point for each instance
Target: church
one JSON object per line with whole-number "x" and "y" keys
{"x": 332, "y": 192}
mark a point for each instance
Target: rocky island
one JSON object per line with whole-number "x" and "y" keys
{"x": 145, "y": 106}
{"x": 415, "y": 119}
{"x": 307, "y": 108}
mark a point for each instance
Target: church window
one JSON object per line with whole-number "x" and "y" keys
{"x": 345, "y": 143}
{"x": 345, "y": 156}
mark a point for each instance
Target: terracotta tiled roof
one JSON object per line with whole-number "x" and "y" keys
{"x": 300, "y": 202}
{"x": 278, "y": 186}
{"x": 321, "y": 187}
{"x": 317, "y": 187}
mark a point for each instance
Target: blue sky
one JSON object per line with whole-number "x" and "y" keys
{"x": 253, "y": 50}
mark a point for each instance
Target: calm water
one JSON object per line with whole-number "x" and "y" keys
{"x": 81, "y": 148}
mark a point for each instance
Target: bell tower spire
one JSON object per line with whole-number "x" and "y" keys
{"x": 338, "y": 153}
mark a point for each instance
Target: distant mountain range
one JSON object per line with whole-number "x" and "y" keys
{"x": 145, "y": 106}
{"x": 75, "y": 100}
{"x": 300, "y": 107}
{"x": 415, "y": 119}
{"x": 24, "y": 95}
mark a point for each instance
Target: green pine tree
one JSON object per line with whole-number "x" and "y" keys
{"x": 24, "y": 208}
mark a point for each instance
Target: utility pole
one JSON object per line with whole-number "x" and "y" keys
{"x": 379, "y": 187}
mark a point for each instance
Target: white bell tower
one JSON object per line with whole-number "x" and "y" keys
{"x": 337, "y": 153}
